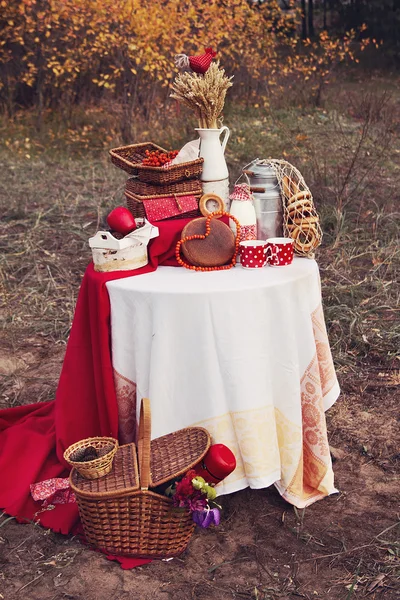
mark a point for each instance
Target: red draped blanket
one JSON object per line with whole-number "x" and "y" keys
{"x": 33, "y": 438}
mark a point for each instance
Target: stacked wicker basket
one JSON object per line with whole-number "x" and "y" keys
{"x": 153, "y": 183}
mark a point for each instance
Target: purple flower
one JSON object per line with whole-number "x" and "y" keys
{"x": 197, "y": 504}
{"x": 205, "y": 518}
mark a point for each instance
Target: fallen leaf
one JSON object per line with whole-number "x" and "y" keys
{"x": 377, "y": 582}
{"x": 351, "y": 586}
{"x": 337, "y": 453}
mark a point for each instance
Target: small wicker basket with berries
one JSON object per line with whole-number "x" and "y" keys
{"x": 150, "y": 163}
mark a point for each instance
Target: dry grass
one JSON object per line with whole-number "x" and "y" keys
{"x": 340, "y": 549}
{"x": 204, "y": 94}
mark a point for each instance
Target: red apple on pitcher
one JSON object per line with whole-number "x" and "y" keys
{"x": 121, "y": 219}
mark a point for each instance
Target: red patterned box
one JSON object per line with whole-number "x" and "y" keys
{"x": 158, "y": 209}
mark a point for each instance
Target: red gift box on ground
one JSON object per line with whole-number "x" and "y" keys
{"x": 158, "y": 209}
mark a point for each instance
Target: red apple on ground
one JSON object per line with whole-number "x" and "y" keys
{"x": 121, "y": 219}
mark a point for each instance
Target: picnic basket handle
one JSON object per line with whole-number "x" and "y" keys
{"x": 144, "y": 443}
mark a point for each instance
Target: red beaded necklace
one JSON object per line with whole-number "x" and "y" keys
{"x": 216, "y": 214}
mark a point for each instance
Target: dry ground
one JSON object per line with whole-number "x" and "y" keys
{"x": 344, "y": 547}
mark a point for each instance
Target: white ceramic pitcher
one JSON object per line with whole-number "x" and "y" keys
{"x": 212, "y": 150}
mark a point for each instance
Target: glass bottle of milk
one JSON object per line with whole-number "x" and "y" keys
{"x": 242, "y": 208}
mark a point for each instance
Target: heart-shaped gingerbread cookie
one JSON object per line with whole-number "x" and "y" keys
{"x": 207, "y": 243}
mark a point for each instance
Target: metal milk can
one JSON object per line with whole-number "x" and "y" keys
{"x": 267, "y": 199}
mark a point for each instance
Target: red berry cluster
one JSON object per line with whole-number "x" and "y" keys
{"x": 158, "y": 158}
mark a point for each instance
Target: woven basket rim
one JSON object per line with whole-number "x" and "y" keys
{"x": 126, "y": 492}
{"x": 136, "y": 177}
{"x": 197, "y": 161}
{"x": 190, "y": 186}
{"x": 90, "y": 463}
{"x": 139, "y": 198}
{"x": 139, "y": 145}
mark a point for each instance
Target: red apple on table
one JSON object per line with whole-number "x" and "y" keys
{"x": 121, "y": 219}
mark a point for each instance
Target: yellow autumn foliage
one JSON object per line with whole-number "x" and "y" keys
{"x": 80, "y": 49}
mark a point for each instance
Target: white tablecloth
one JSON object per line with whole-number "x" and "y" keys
{"x": 243, "y": 353}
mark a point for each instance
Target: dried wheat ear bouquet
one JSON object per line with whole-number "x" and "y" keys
{"x": 205, "y": 94}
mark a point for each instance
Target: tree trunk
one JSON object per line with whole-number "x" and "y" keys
{"x": 310, "y": 15}
{"x": 303, "y": 20}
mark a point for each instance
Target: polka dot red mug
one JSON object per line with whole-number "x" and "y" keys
{"x": 279, "y": 251}
{"x": 253, "y": 254}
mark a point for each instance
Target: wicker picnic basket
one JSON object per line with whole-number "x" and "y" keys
{"x": 120, "y": 514}
{"x": 105, "y": 448}
{"x": 129, "y": 158}
{"x": 135, "y": 204}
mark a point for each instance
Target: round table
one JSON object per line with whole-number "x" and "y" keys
{"x": 243, "y": 353}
